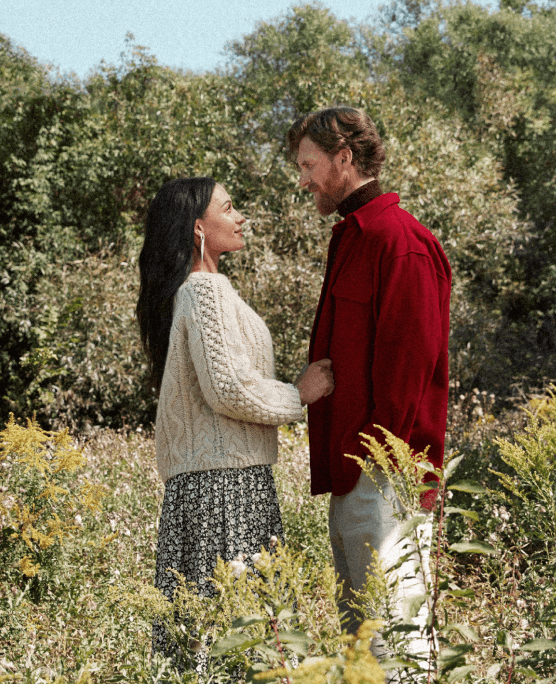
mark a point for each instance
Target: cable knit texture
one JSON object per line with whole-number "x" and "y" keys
{"x": 219, "y": 402}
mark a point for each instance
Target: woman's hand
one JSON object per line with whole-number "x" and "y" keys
{"x": 316, "y": 382}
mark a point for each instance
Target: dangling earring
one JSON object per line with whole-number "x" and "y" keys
{"x": 202, "y": 247}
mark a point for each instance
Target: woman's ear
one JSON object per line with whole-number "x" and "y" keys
{"x": 198, "y": 229}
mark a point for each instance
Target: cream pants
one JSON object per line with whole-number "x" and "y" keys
{"x": 365, "y": 518}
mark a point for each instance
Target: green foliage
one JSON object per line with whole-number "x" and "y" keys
{"x": 305, "y": 517}
{"x": 463, "y": 99}
{"x": 89, "y": 368}
{"x": 493, "y": 611}
{"x": 454, "y": 644}
{"x": 41, "y": 500}
{"x": 496, "y": 71}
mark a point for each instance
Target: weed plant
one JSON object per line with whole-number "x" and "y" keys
{"x": 491, "y": 597}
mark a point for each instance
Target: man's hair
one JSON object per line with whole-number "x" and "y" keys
{"x": 335, "y": 128}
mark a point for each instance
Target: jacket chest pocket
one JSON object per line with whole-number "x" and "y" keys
{"x": 353, "y": 325}
{"x": 358, "y": 291}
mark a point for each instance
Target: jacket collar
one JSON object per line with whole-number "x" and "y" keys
{"x": 358, "y": 198}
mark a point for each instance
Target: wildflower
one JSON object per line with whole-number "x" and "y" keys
{"x": 91, "y": 496}
{"x": 51, "y": 490}
{"x": 237, "y": 566}
{"x": 8, "y": 502}
{"x": 273, "y": 541}
{"x": 27, "y": 568}
{"x": 256, "y": 557}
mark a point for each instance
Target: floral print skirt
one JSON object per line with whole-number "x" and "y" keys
{"x": 207, "y": 514}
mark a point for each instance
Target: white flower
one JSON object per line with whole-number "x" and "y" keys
{"x": 256, "y": 557}
{"x": 8, "y": 502}
{"x": 273, "y": 540}
{"x": 78, "y": 520}
{"x": 238, "y": 568}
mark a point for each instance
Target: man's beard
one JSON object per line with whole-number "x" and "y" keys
{"x": 325, "y": 204}
{"x": 332, "y": 193}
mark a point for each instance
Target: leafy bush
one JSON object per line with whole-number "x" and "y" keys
{"x": 41, "y": 503}
{"x": 305, "y": 517}
{"x": 79, "y": 163}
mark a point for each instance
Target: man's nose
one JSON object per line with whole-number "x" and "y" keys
{"x": 304, "y": 180}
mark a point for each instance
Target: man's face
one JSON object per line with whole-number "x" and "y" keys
{"x": 321, "y": 174}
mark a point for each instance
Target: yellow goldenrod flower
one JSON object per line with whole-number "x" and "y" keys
{"x": 51, "y": 490}
{"x": 27, "y": 567}
{"x": 27, "y": 443}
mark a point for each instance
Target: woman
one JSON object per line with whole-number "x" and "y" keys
{"x": 219, "y": 405}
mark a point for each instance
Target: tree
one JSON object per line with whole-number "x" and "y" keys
{"x": 496, "y": 70}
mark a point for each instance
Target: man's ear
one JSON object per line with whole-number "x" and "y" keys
{"x": 346, "y": 156}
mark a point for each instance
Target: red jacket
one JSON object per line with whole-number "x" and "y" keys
{"x": 383, "y": 319}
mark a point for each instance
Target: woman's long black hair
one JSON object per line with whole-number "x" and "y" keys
{"x": 166, "y": 261}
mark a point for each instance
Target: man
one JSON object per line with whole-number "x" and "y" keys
{"x": 383, "y": 320}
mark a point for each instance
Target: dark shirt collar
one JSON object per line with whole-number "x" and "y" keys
{"x": 359, "y": 198}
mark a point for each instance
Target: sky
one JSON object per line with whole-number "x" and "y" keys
{"x": 190, "y": 34}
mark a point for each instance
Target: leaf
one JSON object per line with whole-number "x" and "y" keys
{"x": 401, "y": 628}
{"x": 270, "y": 651}
{"x": 465, "y": 630}
{"x": 451, "y": 467}
{"x": 412, "y": 605}
{"x": 505, "y": 639}
{"x": 527, "y": 671}
{"x": 298, "y": 642}
{"x": 468, "y": 514}
{"x": 426, "y": 487}
{"x": 468, "y": 486}
{"x": 395, "y": 663}
{"x": 451, "y": 656}
{"x": 538, "y": 645}
{"x": 257, "y": 668}
{"x": 233, "y": 642}
{"x": 461, "y": 593}
{"x": 473, "y": 547}
{"x": 295, "y": 637}
{"x": 493, "y": 670}
{"x": 460, "y": 673}
{"x": 285, "y": 614}
{"x": 246, "y": 620}
{"x": 411, "y": 524}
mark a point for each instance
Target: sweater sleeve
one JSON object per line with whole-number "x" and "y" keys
{"x": 229, "y": 382}
{"x": 408, "y": 344}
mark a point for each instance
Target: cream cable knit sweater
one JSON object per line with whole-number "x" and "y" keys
{"x": 219, "y": 403}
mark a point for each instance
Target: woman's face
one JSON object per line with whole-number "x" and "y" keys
{"x": 221, "y": 224}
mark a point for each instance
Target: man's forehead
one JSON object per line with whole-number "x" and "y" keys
{"x": 308, "y": 151}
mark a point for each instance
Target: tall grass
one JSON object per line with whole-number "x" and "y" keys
{"x": 64, "y": 618}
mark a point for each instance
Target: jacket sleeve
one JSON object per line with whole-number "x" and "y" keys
{"x": 409, "y": 340}
{"x": 228, "y": 381}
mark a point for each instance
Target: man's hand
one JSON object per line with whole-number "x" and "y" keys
{"x": 316, "y": 382}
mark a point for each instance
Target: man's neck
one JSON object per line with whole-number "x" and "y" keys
{"x": 366, "y": 191}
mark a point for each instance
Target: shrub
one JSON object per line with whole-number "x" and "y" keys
{"x": 41, "y": 503}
